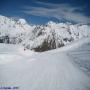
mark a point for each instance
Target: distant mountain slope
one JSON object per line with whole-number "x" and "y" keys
{"x": 40, "y": 37}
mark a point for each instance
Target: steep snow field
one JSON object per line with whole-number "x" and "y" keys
{"x": 52, "y": 70}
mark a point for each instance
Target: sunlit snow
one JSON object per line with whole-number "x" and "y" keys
{"x": 53, "y": 70}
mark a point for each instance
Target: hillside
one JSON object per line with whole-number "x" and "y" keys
{"x": 40, "y": 37}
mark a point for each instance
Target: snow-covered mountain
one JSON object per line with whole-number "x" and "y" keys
{"x": 10, "y": 25}
{"x": 40, "y": 37}
{"x": 13, "y": 29}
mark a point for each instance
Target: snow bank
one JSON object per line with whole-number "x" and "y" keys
{"x": 72, "y": 46}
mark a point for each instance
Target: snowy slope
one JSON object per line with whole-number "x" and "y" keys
{"x": 13, "y": 27}
{"x": 81, "y": 57}
{"x": 15, "y": 30}
{"x": 54, "y": 35}
{"x": 40, "y": 71}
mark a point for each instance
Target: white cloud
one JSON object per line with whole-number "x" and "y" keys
{"x": 59, "y": 11}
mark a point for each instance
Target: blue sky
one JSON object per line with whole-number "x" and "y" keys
{"x": 42, "y": 11}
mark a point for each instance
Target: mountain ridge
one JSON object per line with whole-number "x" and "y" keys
{"x": 40, "y": 37}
